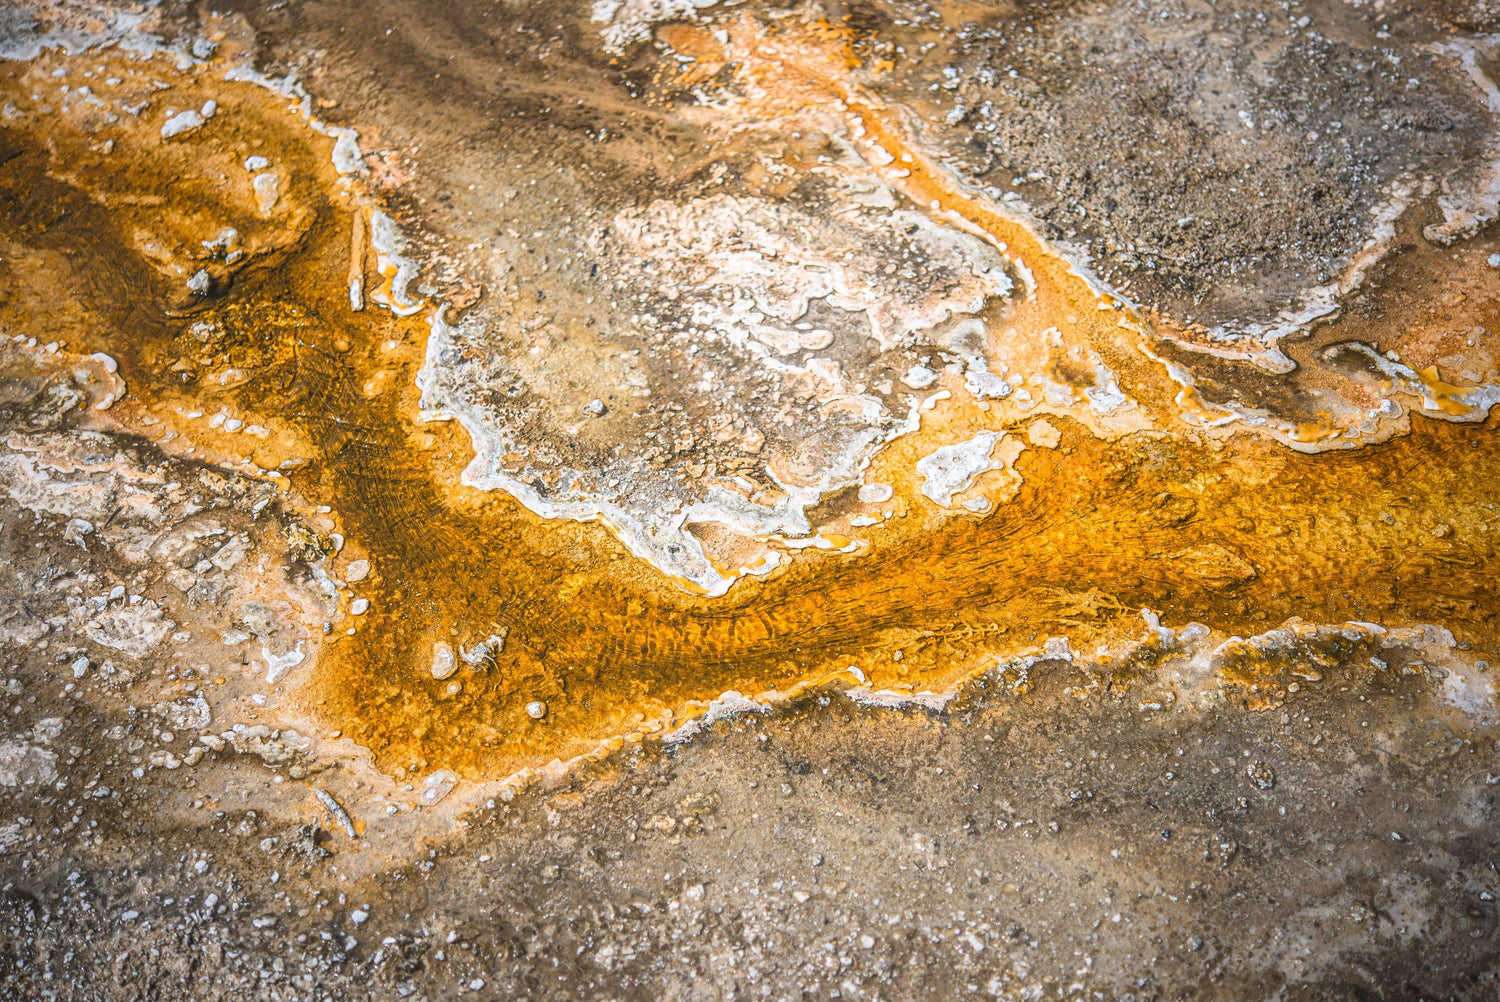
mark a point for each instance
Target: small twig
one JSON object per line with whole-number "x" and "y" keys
{"x": 357, "y": 263}
{"x": 337, "y": 810}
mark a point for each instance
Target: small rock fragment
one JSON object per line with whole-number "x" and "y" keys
{"x": 983, "y": 384}
{"x": 438, "y": 786}
{"x": 1261, "y": 775}
{"x": 76, "y": 529}
{"x": 26, "y": 765}
{"x": 267, "y": 192}
{"x": 443, "y": 662}
{"x": 183, "y": 121}
{"x": 919, "y": 377}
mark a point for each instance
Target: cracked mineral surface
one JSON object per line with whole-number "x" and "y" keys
{"x": 675, "y": 499}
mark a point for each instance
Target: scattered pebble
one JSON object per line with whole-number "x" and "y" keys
{"x": 267, "y": 192}
{"x": 443, "y": 661}
{"x": 438, "y": 786}
{"x": 1261, "y": 775}
{"x": 919, "y": 376}
{"x": 183, "y": 121}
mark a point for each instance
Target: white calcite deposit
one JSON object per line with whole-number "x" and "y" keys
{"x": 759, "y": 333}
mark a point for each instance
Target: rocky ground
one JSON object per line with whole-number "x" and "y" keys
{"x": 1342, "y": 846}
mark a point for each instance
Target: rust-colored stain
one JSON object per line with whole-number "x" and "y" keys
{"x": 1239, "y": 536}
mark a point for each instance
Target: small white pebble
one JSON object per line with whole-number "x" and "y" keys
{"x": 359, "y": 606}
{"x": 536, "y": 709}
{"x": 443, "y": 662}
{"x": 183, "y": 121}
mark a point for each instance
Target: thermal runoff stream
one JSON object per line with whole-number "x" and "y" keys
{"x": 418, "y": 418}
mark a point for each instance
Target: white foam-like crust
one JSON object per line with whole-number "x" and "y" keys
{"x": 892, "y": 699}
{"x": 951, "y": 469}
{"x": 776, "y": 260}
{"x": 124, "y": 30}
{"x": 729, "y": 705}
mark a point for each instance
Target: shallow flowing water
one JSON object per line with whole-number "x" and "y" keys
{"x": 1356, "y": 512}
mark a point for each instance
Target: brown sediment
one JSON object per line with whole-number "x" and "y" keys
{"x": 1238, "y": 535}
